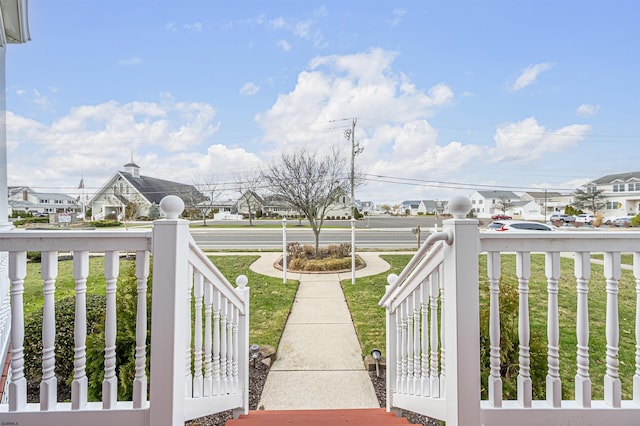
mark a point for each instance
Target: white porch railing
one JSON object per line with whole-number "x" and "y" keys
{"x": 433, "y": 344}
{"x": 199, "y": 329}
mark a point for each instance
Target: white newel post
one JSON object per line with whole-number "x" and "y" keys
{"x": 243, "y": 343}
{"x": 168, "y": 319}
{"x": 462, "y": 337}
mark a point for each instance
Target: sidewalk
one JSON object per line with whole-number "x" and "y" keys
{"x": 319, "y": 364}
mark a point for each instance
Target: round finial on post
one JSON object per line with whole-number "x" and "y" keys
{"x": 459, "y": 206}
{"x": 172, "y": 206}
{"x": 392, "y": 278}
{"x": 242, "y": 281}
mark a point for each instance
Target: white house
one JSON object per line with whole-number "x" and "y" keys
{"x": 620, "y": 192}
{"x": 129, "y": 188}
{"x": 25, "y": 199}
{"x": 490, "y": 202}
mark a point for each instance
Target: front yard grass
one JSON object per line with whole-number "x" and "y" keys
{"x": 369, "y": 319}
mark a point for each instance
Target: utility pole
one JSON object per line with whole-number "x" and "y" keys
{"x": 350, "y": 134}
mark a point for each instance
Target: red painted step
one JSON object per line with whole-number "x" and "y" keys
{"x": 351, "y": 417}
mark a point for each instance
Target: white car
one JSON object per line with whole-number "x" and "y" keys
{"x": 519, "y": 225}
{"x": 585, "y": 218}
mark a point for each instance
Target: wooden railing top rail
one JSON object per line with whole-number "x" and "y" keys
{"x": 560, "y": 241}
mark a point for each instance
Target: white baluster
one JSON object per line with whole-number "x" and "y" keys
{"x": 636, "y": 376}
{"x": 236, "y": 318}
{"x": 223, "y": 345}
{"x": 523, "y": 272}
{"x": 188, "y": 377}
{"x": 410, "y": 376}
{"x": 403, "y": 348}
{"x": 443, "y": 353}
{"x": 208, "y": 308}
{"x": 216, "y": 380}
{"x": 110, "y": 382}
{"x": 49, "y": 383}
{"x": 18, "y": 384}
{"x": 495, "y": 378}
{"x": 434, "y": 375}
{"x": 416, "y": 343}
{"x": 140, "y": 379}
{"x": 229, "y": 347}
{"x": 424, "y": 302}
{"x": 398, "y": 346}
{"x": 612, "y": 385}
{"x": 582, "y": 270}
{"x": 554, "y": 385}
{"x": 79, "y": 384}
{"x": 198, "y": 291}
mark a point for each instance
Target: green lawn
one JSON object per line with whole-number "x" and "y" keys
{"x": 270, "y": 300}
{"x": 369, "y": 318}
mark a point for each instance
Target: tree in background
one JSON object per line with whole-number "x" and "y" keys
{"x": 310, "y": 183}
{"x": 211, "y": 190}
{"x": 591, "y": 201}
{"x": 504, "y": 204}
{"x": 247, "y": 184}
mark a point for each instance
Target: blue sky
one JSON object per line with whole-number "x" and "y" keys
{"x": 449, "y": 96}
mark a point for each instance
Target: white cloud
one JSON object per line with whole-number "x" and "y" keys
{"x": 195, "y": 27}
{"x": 249, "y": 89}
{"x": 131, "y": 61}
{"x": 398, "y": 13}
{"x": 587, "y": 110}
{"x": 284, "y": 45}
{"x": 527, "y": 140}
{"x": 277, "y": 23}
{"x": 95, "y": 140}
{"x": 529, "y": 75}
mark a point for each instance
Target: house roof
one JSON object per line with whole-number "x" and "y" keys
{"x": 498, "y": 194}
{"x": 155, "y": 190}
{"x": 542, "y": 194}
{"x": 624, "y": 177}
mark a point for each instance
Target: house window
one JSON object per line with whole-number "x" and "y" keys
{"x": 634, "y": 187}
{"x": 473, "y": 202}
{"x": 479, "y": 201}
{"x": 613, "y": 205}
{"x": 618, "y": 187}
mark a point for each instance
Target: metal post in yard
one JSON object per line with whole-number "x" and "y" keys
{"x": 353, "y": 250}
{"x": 284, "y": 250}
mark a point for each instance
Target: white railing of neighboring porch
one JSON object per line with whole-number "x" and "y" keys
{"x": 433, "y": 344}
{"x": 199, "y": 328}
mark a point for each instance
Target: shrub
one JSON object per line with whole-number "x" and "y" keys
{"x": 127, "y": 301}
{"x": 635, "y": 221}
{"x": 105, "y": 223}
{"x": 338, "y": 250}
{"x": 509, "y": 347}
{"x": 294, "y": 250}
{"x": 64, "y": 344}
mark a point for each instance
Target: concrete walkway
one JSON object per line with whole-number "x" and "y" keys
{"x": 319, "y": 364}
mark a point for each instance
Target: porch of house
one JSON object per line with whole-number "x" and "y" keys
{"x": 199, "y": 329}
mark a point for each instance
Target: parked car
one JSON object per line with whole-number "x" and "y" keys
{"x": 609, "y": 220}
{"x": 623, "y": 221}
{"x": 585, "y": 218}
{"x": 519, "y": 225}
{"x": 562, "y": 218}
{"x": 500, "y": 217}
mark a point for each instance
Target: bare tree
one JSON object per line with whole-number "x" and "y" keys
{"x": 211, "y": 190}
{"x": 310, "y": 183}
{"x": 504, "y": 204}
{"x": 247, "y": 184}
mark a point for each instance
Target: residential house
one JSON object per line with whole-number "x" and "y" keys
{"x": 142, "y": 193}
{"x": 490, "y": 202}
{"x": 410, "y": 207}
{"x": 25, "y": 199}
{"x": 552, "y": 202}
{"x": 620, "y": 193}
{"x": 431, "y": 206}
{"x": 366, "y": 207}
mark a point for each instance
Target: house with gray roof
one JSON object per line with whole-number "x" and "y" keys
{"x": 25, "y": 199}
{"x": 620, "y": 193}
{"x": 128, "y": 189}
{"x": 490, "y": 202}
